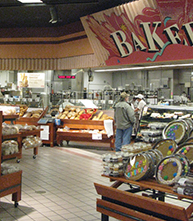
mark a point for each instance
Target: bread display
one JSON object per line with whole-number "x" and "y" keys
{"x": 83, "y": 114}
{"x": 9, "y": 147}
{"x": 9, "y": 129}
{"x": 33, "y": 114}
{"x": 31, "y": 142}
{"x": 8, "y": 168}
{"x": 8, "y": 110}
{"x": 22, "y": 110}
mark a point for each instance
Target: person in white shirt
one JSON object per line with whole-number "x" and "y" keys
{"x": 139, "y": 110}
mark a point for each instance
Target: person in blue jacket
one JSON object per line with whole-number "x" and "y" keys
{"x": 124, "y": 119}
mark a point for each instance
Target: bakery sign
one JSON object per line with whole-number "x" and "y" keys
{"x": 142, "y": 31}
{"x": 31, "y": 80}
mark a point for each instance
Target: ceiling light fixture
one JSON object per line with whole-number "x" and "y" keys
{"x": 30, "y": 1}
{"x": 145, "y": 68}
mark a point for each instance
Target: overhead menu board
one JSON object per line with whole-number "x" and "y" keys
{"x": 31, "y": 80}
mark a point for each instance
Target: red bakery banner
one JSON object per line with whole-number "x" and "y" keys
{"x": 142, "y": 31}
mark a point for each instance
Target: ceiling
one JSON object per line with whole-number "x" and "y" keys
{"x": 14, "y": 14}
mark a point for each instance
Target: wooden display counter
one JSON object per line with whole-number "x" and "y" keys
{"x": 29, "y": 120}
{"x": 10, "y": 183}
{"x": 75, "y": 134}
{"x": 150, "y": 206}
{"x": 49, "y": 128}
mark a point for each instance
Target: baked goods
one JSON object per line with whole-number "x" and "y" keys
{"x": 9, "y": 129}
{"x": 33, "y": 114}
{"x": 139, "y": 166}
{"x": 112, "y": 164}
{"x": 169, "y": 170}
{"x": 31, "y": 142}
{"x": 186, "y": 149}
{"x": 8, "y": 168}
{"x": 177, "y": 130}
{"x": 166, "y": 146}
{"x": 9, "y": 147}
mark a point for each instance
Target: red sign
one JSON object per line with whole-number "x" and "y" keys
{"x": 142, "y": 32}
{"x": 67, "y": 76}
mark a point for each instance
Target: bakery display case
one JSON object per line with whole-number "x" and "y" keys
{"x": 156, "y": 117}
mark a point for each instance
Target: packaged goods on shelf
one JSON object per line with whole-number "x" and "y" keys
{"x": 31, "y": 142}
{"x": 8, "y": 169}
{"x": 9, "y": 129}
{"x": 136, "y": 147}
{"x": 112, "y": 164}
{"x": 171, "y": 168}
{"x": 184, "y": 186}
{"x": 9, "y": 147}
{"x": 8, "y": 110}
{"x": 33, "y": 114}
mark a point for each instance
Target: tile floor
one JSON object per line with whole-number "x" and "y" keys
{"x": 57, "y": 186}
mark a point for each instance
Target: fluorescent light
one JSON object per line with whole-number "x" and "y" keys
{"x": 145, "y": 68}
{"x": 30, "y": 1}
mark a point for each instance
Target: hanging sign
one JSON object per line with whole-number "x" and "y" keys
{"x": 31, "y": 80}
{"x": 142, "y": 31}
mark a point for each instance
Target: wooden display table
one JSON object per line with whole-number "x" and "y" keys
{"x": 11, "y": 184}
{"x": 127, "y": 205}
{"x": 75, "y": 134}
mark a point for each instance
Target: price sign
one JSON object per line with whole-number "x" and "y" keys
{"x": 110, "y": 101}
{"x": 96, "y": 136}
{"x": 24, "y": 99}
{"x": 30, "y": 99}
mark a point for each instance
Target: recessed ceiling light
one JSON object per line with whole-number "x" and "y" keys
{"x": 30, "y": 1}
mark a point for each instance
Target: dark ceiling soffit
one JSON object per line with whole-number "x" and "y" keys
{"x": 47, "y": 3}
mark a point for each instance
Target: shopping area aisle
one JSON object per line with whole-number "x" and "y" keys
{"x": 57, "y": 186}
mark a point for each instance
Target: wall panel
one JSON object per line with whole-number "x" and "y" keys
{"x": 84, "y": 61}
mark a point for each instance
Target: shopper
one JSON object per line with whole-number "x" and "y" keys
{"x": 124, "y": 119}
{"x": 141, "y": 104}
{"x": 139, "y": 110}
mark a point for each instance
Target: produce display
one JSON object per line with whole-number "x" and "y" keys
{"x": 71, "y": 112}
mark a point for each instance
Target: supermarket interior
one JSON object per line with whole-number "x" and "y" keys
{"x": 96, "y": 110}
